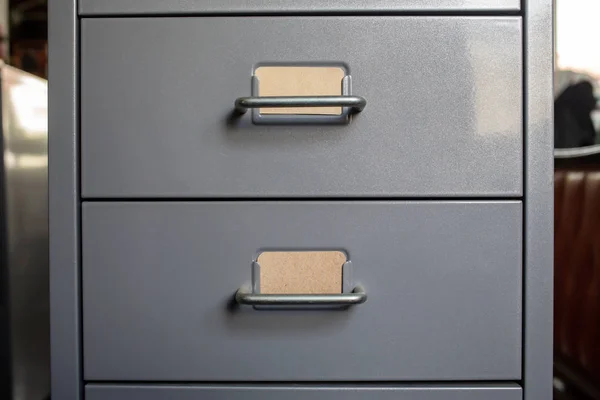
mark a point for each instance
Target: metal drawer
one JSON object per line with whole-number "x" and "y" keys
{"x": 298, "y": 392}
{"x": 124, "y": 7}
{"x": 443, "y": 281}
{"x": 443, "y": 115}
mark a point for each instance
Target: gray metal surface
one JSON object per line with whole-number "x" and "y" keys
{"x": 120, "y": 7}
{"x": 443, "y": 278}
{"x": 297, "y": 392}
{"x": 539, "y": 202}
{"x": 63, "y": 201}
{"x": 24, "y": 234}
{"x": 444, "y": 115}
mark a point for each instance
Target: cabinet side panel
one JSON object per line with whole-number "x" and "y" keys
{"x": 63, "y": 202}
{"x": 539, "y": 200}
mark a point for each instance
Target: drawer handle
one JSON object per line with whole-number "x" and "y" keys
{"x": 245, "y": 296}
{"x": 356, "y": 103}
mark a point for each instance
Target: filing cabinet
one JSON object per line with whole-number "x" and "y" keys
{"x": 206, "y": 156}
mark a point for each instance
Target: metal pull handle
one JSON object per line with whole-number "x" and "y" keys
{"x": 245, "y": 296}
{"x": 355, "y": 103}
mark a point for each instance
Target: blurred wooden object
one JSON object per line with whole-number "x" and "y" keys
{"x": 31, "y": 56}
{"x": 577, "y": 277}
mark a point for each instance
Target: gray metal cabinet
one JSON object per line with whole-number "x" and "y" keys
{"x": 439, "y": 193}
{"x": 443, "y": 282}
{"x": 149, "y": 7}
{"x": 443, "y": 114}
{"x": 431, "y": 392}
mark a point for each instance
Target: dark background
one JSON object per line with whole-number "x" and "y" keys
{"x": 28, "y": 36}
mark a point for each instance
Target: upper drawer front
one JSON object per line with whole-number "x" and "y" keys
{"x": 443, "y": 282}
{"x": 443, "y": 118}
{"x": 108, "y": 7}
{"x": 441, "y": 392}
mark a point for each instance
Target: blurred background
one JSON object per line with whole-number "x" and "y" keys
{"x": 24, "y": 307}
{"x": 577, "y": 60}
{"x": 24, "y": 32}
{"x": 577, "y": 200}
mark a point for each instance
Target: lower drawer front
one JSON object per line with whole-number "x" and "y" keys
{"x": 473, "y": 392}
{"x": 443, "y": 281}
